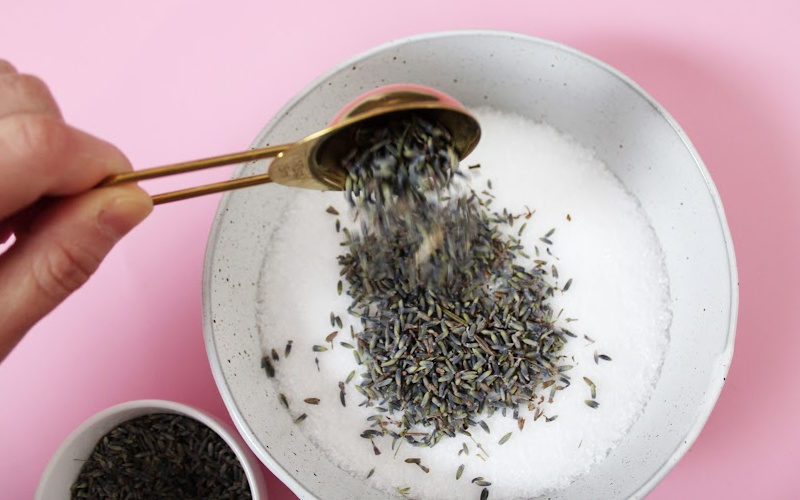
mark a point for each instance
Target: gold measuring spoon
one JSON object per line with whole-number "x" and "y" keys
{"x": 314, "y": 162}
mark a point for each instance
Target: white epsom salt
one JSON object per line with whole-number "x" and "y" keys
{"x": 618, "y": 298}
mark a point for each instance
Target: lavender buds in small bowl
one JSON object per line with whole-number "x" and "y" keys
{"x": 149, "y": 449}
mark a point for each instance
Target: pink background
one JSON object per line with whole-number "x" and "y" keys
{"x": 170, "y": 80}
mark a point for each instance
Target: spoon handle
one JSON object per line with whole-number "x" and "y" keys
{"x": 216, "y": 187}
{"x": 191, "y": 166}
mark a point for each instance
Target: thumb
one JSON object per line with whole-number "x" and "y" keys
{"x": 63, "y": 248}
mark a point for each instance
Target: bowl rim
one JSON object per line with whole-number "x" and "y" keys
{"x": 255, "y": 478}
{"x": 723, "y": 361}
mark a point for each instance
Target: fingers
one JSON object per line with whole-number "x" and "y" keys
{"x": 63, "y": 227}
{"x": 67, "y": 242}
{"x": 41, "y": 156}
{"x": 25, "y": 94}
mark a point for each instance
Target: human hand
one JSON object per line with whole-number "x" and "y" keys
{"x": 62, "y": 230}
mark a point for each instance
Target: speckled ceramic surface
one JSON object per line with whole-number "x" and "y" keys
{"x": 544, "y": 81}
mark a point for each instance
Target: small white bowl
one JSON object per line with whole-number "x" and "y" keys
{"x": 64, "y": 467}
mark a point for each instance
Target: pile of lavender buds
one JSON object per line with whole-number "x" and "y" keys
{"x": 453, "y": 327}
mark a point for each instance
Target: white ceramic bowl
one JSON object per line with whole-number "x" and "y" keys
{"x": 544, "y": 81}
{"x": 64, "y": 467}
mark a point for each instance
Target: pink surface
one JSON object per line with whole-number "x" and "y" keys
{"x": 177, "y": 79}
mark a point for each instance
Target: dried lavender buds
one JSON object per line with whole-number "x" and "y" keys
{"x": 161, "y": 456}
{"x": 452, "y": 324}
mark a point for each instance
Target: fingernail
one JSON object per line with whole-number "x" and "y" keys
{"x": 123, "y": 213}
